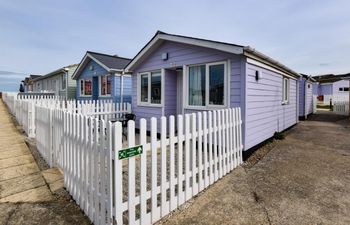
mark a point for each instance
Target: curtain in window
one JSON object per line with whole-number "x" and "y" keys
{"x": 156, "y": 87}
{"x": 196, "y": 85}
{"x": 144, "y": 87}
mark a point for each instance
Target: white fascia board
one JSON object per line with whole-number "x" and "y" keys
{"x": 186, "y": 40}
{"x": 265, "y": 66}
{"x": 139, "y": 56}
{"x": 79, "y": 67}
{"x": 203, "y": 43}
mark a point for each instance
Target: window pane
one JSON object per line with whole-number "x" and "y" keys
{"x": 102, "y": 84}
{"x": 346, "y": 89}
{"x": 156, "y": 87}
{"x": 63, "y": 81}
{"x": 196, "y": 85}
{"x": 82, "y": 87}
{"x": 340, "y": 89}
{"x": 88, "y": 87}
{"x": 109, "y": 82}
{"x": 285, "y": 90}
{"x": 144, "y": 88}
{"x": 216, "y": 84}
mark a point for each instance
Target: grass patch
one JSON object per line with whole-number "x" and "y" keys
{"x": 278, "y": 136}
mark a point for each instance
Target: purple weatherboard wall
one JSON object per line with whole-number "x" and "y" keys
{"x": 180, "y": 54}
{"x": 261, "y": 101}
{"x": 265, "y": 113}
{"x": 340, "y": 84}
{"x": 308, "y": 91}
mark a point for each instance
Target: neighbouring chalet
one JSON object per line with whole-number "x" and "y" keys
{"x": 100, "y": 76}
{"x": 58, "y": 82}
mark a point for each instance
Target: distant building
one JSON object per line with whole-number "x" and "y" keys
{"x": 28, "y": 82}
{"x": 59, "y": 82}
{"x": 332, "y": 86}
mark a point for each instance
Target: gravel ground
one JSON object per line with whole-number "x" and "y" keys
{"x": 303, "y": 179}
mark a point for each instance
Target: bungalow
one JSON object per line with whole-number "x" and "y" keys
{"x": 332, "y": 87}
{"x": 306, "y": 95}
{"x": 28, "y": 82}
{"x": 58, "y": 82}
{"x": 100, "y": 76}
{"x": 176, "y": 74}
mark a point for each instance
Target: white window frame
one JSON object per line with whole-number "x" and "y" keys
{"x": 207, "y": 105}
{"x": 148, "y": 103}
{"x": 84, "y": 95}
{"x": 99, "y": 86}
{"x": 285, "y": 99}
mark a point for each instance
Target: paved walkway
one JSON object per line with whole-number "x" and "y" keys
{"x": 303, "y": 179}
{"x": 29, "y": 194}
{"x": 20, "y": 177}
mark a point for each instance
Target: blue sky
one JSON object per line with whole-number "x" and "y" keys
{"x": 37, "y": 37}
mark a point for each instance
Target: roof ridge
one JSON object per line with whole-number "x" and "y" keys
{"x": 114, "y": 56}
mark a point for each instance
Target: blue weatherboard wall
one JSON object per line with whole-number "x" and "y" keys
{"x": 88, "y": 73}
{"x": 115, "y": 85}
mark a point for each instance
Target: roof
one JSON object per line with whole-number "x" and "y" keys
{"x": 248, "y": 51}
{"x": 60, "y": 70}
{"x": 109, "y": 62}
{"x": 32, "y": 76}
{"x": 331, "y": 78}
{"x": 308, "y": 77}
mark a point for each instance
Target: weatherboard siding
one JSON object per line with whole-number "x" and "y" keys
{"x": 264, "y": 111}
{"x": 309, "y": 98}
{"x": 115, "y": 84}
{"x": 308, "y": 91}
{"x": 88, "y": 73}
{"x": 71, "y": 84}
{"x": 340, "y": 84}
{"x": 180, "y": 54}
{"x": 170, "y": 103}
{"x": 302, "y": 96}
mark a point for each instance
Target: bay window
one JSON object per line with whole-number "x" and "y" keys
{"x": 206, "y": 84}
{"x": 150, "y": 84}
{"x": 105, "y": 85}
{"x": 86, "y": 87}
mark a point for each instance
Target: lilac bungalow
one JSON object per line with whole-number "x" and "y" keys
{"x": 99, "y": 76}
{"x": 176, "y": 74}
{"x": 306, "y": 95}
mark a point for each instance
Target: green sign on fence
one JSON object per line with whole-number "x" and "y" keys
{"x": 130, "y": 152}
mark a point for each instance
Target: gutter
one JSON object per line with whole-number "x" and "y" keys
{"x": 274, "y": 63}
{"x": 50, "y": 74}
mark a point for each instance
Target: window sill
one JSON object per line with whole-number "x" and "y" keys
{"x": 150, "y": 105}
{"x": 205, "y": 108}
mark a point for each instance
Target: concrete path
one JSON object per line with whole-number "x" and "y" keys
{"x": 303, "y": 179}
{"x": 20, "y": 177}
{"x": 30, "y": 194}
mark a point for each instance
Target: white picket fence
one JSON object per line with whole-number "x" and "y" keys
{"x": 187, "y": 158}
{"x": 341, "y": 107}
{"x": 193, "y": 152}
{"x": 23, "y": 108}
